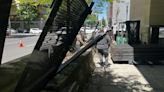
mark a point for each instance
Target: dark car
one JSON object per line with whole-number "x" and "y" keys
{"x": 20, "y": 30}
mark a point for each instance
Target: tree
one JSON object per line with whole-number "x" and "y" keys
{"x": 30, "y": 9}
{"x": 91, "y": 20}
{"x": 103, "y": 22}
{"x": 88, "y": 1}
{"x": 35, "y": 2}
{"x": 27, "y": 12}
{"x": 99, "y": 6}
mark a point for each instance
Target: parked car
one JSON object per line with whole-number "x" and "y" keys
{"x": 87, "y": 29}
{"x": 35, "y": 30}
{"x": 20, "y": 30}
{"x": 10, "y": 31}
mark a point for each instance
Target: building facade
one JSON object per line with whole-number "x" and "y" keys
{"x": 150, "y": 14}
{"x": 121, "y": 11}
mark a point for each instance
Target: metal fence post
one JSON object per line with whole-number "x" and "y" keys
{"x": 4, "y": 15}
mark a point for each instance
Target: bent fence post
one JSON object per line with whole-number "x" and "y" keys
{"x": 4, "y": 16}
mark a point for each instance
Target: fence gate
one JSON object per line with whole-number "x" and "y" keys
{"x": 59, "y": 32}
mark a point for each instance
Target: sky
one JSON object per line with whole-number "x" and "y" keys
{"x": 104, "y": 10}
{"x": 103, "y": 15}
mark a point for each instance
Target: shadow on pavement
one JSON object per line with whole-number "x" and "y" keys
{"x": 110, "y": 81}
{"x": 154, "y": 75}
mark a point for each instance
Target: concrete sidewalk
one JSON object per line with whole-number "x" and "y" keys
{"x": 126, "y": 78}
{"x": 21, "y": 35}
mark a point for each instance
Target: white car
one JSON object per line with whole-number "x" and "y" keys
{"x": 35, "y": 30}
{"x": 87, "y": 29}
{"x": 11, "y": 31}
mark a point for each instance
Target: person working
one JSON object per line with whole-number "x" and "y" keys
{"x": 103, "y": 47}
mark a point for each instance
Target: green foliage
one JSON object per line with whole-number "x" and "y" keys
{"x": 27, "y": 12}
{"x": 109, "y": 0}
{"x": 91, "y": 20}
{"x": 88, "y": 1}
{"x": 35, "y": 2}
{"x": 31, "y": 9}
{"x": 103, "y": 22}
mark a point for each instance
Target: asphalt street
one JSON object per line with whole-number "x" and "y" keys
{"x": 12, "y": 49}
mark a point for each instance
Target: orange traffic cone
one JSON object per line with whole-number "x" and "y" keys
{"x": 21, "y": 44}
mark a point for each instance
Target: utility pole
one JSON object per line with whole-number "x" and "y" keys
{"x": 9, "y": 26}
